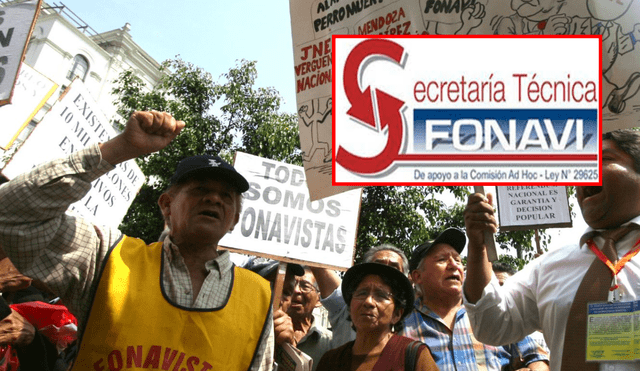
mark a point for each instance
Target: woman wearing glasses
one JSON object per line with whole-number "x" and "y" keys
{"x": 379, "y": 297}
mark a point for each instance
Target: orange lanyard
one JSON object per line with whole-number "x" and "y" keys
{"x": 615, "y": 269}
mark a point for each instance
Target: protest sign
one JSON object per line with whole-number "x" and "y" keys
{"x": 32, "y": 91}
{"x": 314, "y": 21}
{"x": 75, "y": 122}
{"x": 16, "y": 24}
{"x": 279, "y": 220}
{"x": 531, "y": 207}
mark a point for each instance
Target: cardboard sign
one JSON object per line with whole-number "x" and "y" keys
{"x": 75, "y": 122}
{"x": 32, "y": 91}
{"x": 533, "y": 207}
{"x": 314, "y": 21}
{"x": 279, "y": 220}
{"x": 16, "y": 24}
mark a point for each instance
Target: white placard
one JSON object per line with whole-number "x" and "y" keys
{"x": 531, "y": 207}
{"x": 16, "y": 24}
{"x": 279, "y": 220}
{"x": 314, "y": 21}
{"x": 32, "y": 91}
{"x": 73, "y": 123}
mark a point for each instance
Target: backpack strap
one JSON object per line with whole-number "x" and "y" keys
{"x": 411, "y": 355}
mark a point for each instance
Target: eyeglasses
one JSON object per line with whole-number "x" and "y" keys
{"x": 305, "y": 286}
{"x": 379, "y": 295}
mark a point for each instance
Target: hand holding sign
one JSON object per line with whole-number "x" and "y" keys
{"x": 481, "y": 223}
{"x": 283, "y": 327}
{"x": 146, "y": 132}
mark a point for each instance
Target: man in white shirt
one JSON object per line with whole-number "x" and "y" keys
{"x": 540, "y": 297}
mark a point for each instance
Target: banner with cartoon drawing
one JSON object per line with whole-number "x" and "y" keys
{"x": 314, "y": 21}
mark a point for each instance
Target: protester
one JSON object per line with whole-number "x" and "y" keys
{"x": 33, "y": 333}
{"x": 309, "y": 336}
{"x": 331, "y": 294}
{"x": 55, "y": 329}
{"x": 181, "y": 301}
{"x": 552, "y": 292}
{"x": 378, "y": 297}
{"x": 268, "y": 269}
{"x": 441, "y": 322}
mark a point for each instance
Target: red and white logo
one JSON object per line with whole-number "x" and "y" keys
{"x": 466, "y": 110}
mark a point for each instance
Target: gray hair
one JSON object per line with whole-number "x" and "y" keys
{"x": 307, "y": 269}
{"x": 368, "y": 256}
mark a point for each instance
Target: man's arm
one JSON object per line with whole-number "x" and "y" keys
{"x": 16, "y": 330}
{"x": 535, "y": 356}
{"x": 63, "y": 251}
{"x": 478, "y": 217}
{"x": 327, "y": 279}
{"x": 145, "y": 133}
{"x": 329, "y": 284}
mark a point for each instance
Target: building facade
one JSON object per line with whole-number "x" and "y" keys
{"x": 63, "y": 47}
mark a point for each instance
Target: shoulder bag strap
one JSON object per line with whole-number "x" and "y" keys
{"x": 411, "y": 355}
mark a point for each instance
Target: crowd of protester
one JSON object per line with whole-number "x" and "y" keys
{"x": 180, "y": 303}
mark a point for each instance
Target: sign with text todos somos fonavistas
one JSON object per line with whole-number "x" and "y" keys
{"x": 16, "y": 24}
{"x": 73, "y": 123}
{"x": 533, "y": 207}
{"x": 492, "y": 110}
{"x": 279, "y": 220}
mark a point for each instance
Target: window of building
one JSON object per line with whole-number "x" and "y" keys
{"x": 80, "y": 67}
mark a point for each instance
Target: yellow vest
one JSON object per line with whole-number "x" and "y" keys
{"x": 132, "y": 325}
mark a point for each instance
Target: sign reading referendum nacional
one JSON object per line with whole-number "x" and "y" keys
{"x": 402, "y": 117}
{"x": 16, "y": 25}
{"x": 32, "y": 91}
{"x": 533, "y": 207}
{"x": 279, "y": 220}
{"x": 73, "y": 123}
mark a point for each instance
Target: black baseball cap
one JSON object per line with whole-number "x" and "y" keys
{"x": 213, "y": 165}
{"x": 266, "y": 268}
{"x": 452, "y": 236}
{"x": 401, "y": 284}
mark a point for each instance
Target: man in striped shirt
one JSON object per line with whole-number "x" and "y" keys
{"x": 440, "y": 320}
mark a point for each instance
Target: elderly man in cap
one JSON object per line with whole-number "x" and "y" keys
{"x": 440, "y": 320}
{"x": 175, "y": 304}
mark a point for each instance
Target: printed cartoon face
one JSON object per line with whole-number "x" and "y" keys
{"x": 608, "y": 10}
{"x": 537, "y": 10}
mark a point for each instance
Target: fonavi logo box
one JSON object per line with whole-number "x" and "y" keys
{"x": 449, "y": 110}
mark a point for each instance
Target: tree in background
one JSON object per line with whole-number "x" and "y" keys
{"x": 224, "y": 118}
{"x": 248, "y": 121}
{"x": 409, "y": 216}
